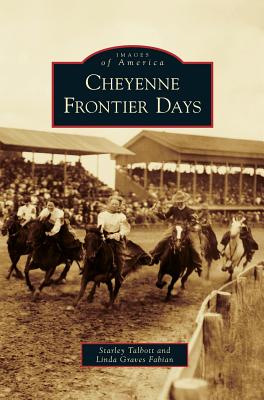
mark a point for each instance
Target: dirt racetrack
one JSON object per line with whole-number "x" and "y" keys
{"x": 40, "y": 341}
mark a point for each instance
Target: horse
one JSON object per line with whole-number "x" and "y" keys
{"x": 177, "y": 259}
{"x": 99, "y": 264}
{"x": 47, "y": 255}
{"x": 17, "y": 243}
{"x": 234, "y": 251}
{"x": 207, "y": 251}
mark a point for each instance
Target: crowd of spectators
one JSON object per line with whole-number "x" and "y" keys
{"x": 202, "y": 187}
{"x": 84, "y": 195}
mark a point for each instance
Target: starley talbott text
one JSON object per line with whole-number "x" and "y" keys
{"x": 127, "y": 86}
{"x": 134, "y": 354}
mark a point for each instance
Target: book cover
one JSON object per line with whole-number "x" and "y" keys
{"x": 218, "y": 162}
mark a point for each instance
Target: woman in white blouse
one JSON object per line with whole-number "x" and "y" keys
{"x": 113, "y": 224}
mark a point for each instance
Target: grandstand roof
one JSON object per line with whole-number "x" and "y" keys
{"x": 152, "y": 146}
{"x": 57, "y": 143}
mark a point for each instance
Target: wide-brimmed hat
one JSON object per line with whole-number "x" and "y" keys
{"x": 180, "y": 197}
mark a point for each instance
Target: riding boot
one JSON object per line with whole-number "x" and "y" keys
{"x": 225, "y": 239}
{"x": 249, "y": 255}
{"x": 216, "y": 254}
{"x": 119, "y": 260}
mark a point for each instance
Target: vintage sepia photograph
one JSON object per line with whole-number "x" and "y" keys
{"x": 131, "y": 240}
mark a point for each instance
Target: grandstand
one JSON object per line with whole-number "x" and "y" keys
{"x": 78, "y": 191}
{"x": 226, "y": 173}
{"x": 197, "y": 166}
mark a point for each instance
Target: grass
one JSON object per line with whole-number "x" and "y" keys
{"x": 244, "y": 367}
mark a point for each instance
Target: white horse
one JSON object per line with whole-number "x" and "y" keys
{"x": 234, "y": 252}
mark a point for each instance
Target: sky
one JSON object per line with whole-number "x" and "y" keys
{"x": 33, "y": 33}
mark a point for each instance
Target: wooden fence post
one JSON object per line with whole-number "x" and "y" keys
{"x": 223, "y": 305}
{"x": 241, "y": 292}
{"x": 213, "y": 347}
{"x": 234, "y": 317}
{"x": 258, "y": 282}
{"x": 190, "y": 389}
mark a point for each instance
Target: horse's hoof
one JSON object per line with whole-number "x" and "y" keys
{"x": 224, "y": 268}
{"x": 160, "y": 285}
{"x": 7, "y": 277}
{"x": 36, "y": 294}
{"x": 19, "y": 275}
{"x": 58, "y": 281}
{"x": 89, "y": 299}
{"x": 107, "y": 304}
{"x": 167, "y": 299}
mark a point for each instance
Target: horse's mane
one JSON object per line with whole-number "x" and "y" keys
{"x": 29, "y": 223}
{"x": 93, "y": 229}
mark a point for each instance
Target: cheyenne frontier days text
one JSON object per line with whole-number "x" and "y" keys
{"x": 162, "y": 105}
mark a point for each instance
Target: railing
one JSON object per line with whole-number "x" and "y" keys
{"x": 215, "y": 325}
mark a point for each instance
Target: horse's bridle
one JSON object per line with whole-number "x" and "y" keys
{"x": 104, "y": 241}
{"x": 99, "y": 247}
{"x": 173, "y": 239}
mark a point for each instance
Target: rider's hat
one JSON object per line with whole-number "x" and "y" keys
{"x": 180, "y": 197}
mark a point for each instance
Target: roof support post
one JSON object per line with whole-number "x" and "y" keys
{"x": 33, "y": 165}
{"x": 194, "y": 180}
{"x": 130, "y": 171}
{"x": 52, "y": 159}
{"x": 211, "y": 182}
{"x": 162, "y": 175}
{"x": 241, "y": 183}
{"x": 179, "y": 172}
{"x": 226, "y": 185}
{"x": 255, "y": 184}
{"x": 146, "y": 176}
{"x": 65, "y": 173}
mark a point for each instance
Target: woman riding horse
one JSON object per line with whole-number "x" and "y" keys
{"x": 27, "y": 212}
{"x": 249, "y": 243}
{"x": 59, "y": 230}
{"x": 115, "y": 228}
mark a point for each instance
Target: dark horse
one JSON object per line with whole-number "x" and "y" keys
{"x": 17, "y": 243}
{"x": 99, "y": 264}
{"x": 47, "y": 255}
{"x": 177, "y": 259}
